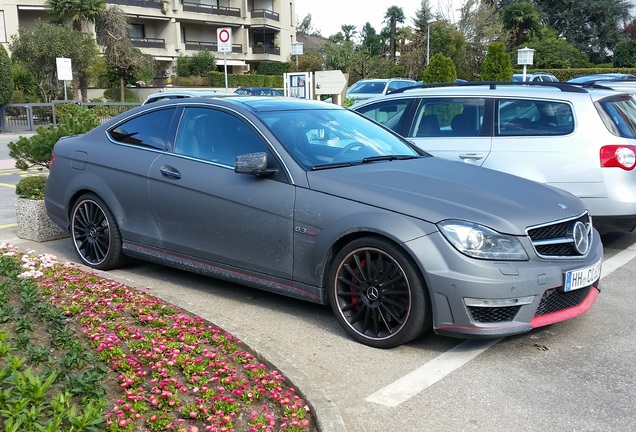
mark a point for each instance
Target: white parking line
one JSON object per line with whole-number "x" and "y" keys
{"x": 426, "y": 375}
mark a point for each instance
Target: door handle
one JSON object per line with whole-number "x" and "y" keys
{"x": 471, "y": 156}
{"x": 170, "y": 172}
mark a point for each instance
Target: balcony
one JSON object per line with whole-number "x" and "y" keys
{"x": 210, "y": 46}
{"x": 139, "y": 3}
{"x": 265, "y": 13}
{"x": 148, "y": 42}
{"x": 265, "y": 49}
{"x": 209, "y": 9}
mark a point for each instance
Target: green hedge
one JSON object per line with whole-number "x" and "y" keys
{"x": 566, "y": 74}
{"x": 217, "y": 79}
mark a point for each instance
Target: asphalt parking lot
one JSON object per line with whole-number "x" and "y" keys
{"x": 573, "y": 376}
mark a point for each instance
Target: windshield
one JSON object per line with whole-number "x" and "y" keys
{"x": 331, "y": 137}
{"x": 374, "y": 87}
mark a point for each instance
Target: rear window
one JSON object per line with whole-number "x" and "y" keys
{"x": 619, "y": 115}
{"x": 523, "y": 117}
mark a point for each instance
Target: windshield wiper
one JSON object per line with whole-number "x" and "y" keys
{"x": 388, "y": 157}
{"x": 332, "y": 165}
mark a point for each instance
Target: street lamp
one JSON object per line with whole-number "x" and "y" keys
{"x": 428, "y": 39}
{"x": 525, "y": 57}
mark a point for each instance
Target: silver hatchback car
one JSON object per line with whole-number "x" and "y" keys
{"x": 582, "y": 140}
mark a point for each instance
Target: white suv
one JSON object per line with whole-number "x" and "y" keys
{"x": 579, "y": 139}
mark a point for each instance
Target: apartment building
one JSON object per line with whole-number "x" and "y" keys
{"x": 262, "y": 30}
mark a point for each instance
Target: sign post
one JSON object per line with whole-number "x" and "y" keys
{"x": 64, "y": 71}
{"x": 224, "y": 42}
{"x": 331, "y": 82}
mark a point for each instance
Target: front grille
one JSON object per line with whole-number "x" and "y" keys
{"x": 493, "y": 314}
{"x": 556, "y": 240}
{"x": 554, "y": 300}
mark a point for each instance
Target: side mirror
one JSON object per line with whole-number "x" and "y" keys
{"x": 253, "y": 163}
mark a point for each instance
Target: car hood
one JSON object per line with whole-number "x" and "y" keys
{"x": 434, "y": 189}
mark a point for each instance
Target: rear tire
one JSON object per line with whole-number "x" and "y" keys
{"x": 377, "y": 293}
{"x": 95, "y": 234}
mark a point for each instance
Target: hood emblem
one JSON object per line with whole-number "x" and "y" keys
{"x": 581, "y": 237}
{"x": 563, "y": 206}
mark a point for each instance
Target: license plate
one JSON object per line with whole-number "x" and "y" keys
{"x": 576, "y": 279}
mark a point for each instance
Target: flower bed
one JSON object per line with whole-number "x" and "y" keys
{"x": 116, "y": 358}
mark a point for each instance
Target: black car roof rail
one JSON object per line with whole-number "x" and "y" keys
{"x": 564, "y": 87}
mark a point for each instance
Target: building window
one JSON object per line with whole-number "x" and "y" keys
{"x": 137, "y": 31}
{"x": 3, "y": 33}
{"x": 183, "y": 34}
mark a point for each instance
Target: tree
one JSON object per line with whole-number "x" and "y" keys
{"x": 306, "y": 27}
{"x": 371, "y": 40}
{"x": 348, "y": 31}
{"x": 6, "y": 78}
{"x": 521, "y": 19}
{"x": 625, "y": 54}
{"x": 393, "y": 15}
{"x": 497, "y": 65}
{"x": 593, "y": 26}
{"x": 551, "y": 52}
{"x": 198, "y": 64}
{"x": 37, "y": 50}
{"x": 81, "y": 13}
{"x": 480, "y": 24}
{"x": 440, "y": 69}
{"x": 112, "y": 33}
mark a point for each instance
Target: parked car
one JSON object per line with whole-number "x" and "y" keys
{"x": 314, "y": 201}
{"x": 371, "y": 88}
{"x": 600, "y": 77}
{"x": 258, "y": 91}
{"x": 578, "y": 139}
{"x": 535, "y": 76}
{"x": 180, "y": 94}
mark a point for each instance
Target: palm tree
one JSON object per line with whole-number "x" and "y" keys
{"x": 348, "y": 31}
{"x": 81, "y": 13}
{"x": 393, "y": 15}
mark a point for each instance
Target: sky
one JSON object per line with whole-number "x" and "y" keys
{"x": 328, "y": 15}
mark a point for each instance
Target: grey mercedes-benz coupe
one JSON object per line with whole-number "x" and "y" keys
{"x": 316, "y": 202}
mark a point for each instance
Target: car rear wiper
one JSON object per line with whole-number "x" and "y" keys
{"x": 388, "y": 157}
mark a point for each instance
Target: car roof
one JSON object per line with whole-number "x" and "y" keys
{"x": 250, "y": 103}
{"x": 554, "y": 90}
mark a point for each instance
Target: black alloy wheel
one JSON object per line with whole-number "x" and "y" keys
{"x": 95, "y": 234}
{"x": 377, "y": 294}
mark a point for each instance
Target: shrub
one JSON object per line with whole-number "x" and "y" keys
{"x": 497, "y": 65}
{"x": 6, "y": 79}
{"x": 37, "y": 149}
{"x": 113, "y": 95}
{"x": 440, "y": 69}
{"x": 31, "y": 187}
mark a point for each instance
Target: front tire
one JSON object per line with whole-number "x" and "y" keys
{"x": 377, "y": 294}
{"x": 95, "y": 234}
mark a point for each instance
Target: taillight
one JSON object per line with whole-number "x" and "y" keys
{"x": 52, "y": 161}
{"x": 618, "y": 156}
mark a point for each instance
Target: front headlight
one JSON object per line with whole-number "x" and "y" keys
{"x": 477, "y": 241}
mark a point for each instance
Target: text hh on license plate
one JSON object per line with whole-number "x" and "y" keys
{"x": 576, "y": 279}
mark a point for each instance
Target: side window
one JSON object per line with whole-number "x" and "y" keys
{"x": 215, "y": 135}
{"x": 147, "y": 130}
{"x": 387, "y": 113}
{"x": 449, "y": 117}
{"x": 533, "y": 118}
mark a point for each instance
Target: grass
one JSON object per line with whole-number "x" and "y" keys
{"x": 82, "y": 353}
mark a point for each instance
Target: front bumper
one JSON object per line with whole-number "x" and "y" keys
{"x": 515, "y": 296}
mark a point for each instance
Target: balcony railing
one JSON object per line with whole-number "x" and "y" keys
{"x": 209, "y": 9}
{"x": 140, "y": 3}
{"x": 265, "y": 13}
{"x": 148, "y": 42}
{"x": 210, "y": 46}
{"x": 265, "y": 49}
